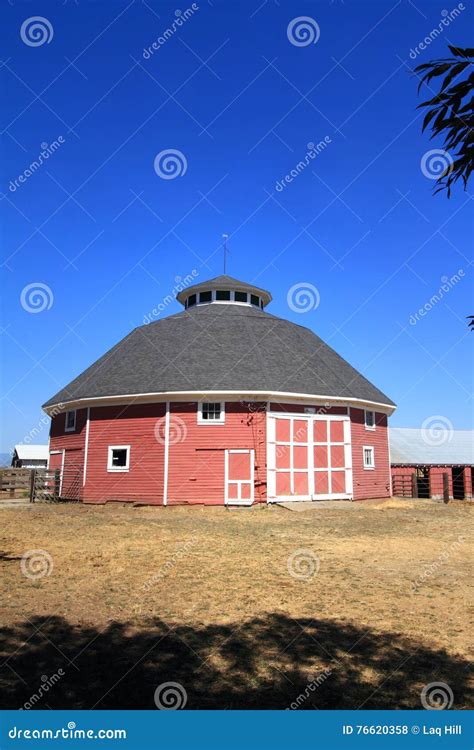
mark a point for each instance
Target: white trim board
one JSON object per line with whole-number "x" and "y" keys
{"x": 195, "y": 396}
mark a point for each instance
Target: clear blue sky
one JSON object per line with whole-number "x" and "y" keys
{"x": 108, "y": 236}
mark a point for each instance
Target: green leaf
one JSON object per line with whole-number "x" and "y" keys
{"x": 462, "y": 52}
{"x": 455, "y": 71}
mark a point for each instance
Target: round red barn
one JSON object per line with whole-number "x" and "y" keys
{"x": 222, "y": 403}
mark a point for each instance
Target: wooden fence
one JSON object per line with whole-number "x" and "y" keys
{"x": 411, "y": 485}
{"x": 15, "y": 483}
{"x": 37, "y": 485}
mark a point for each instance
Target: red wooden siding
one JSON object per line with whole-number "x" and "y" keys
{"x": 197, "y": 455}
{"x": 370, "y": 482}
{"x": 73, "y": 443}
{"x": 142, "y": 427}
{"x": 436, "y": 474}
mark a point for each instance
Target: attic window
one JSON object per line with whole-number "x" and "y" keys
{"x": 205, "y": 297}
{"x": 254, "y": 300}
{"x": 369, "y": 420}
{"x": 211, "y": 413}
{"x": 191, "y": 300}
{"x": 240, "y": 296}
{"x": 222, "y": 295}
{"x": 70, "y": 423}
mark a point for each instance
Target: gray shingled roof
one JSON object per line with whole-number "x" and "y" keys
{"x": 221, "y": 347}
{"x": 422, "y": 447}
{"x": 225, "y": 282}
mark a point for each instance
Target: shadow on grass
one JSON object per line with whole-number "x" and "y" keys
{"x": 272, "y": 663}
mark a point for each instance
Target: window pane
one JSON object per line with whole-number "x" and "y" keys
{"x": 241, "y": 296}
{"x": 222, "y": 295}
{"x": 70, "y": 419}
{"x": 191, "y": 300}
{"x": 369, "y": 418}
{"x": 254, "y": 300}
{"x": 211, "y": 411}
{"x": 205, "y": 297}
{"x": 119, "y": 457}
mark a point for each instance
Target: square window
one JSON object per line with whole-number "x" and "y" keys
{"x": 221, "y": 294}
{"x": 240, "y": 296}
{"x": 205, "y": 297}
{"x": 369, "y": 420}
{"x": 119, "y": 458}
{"x": 211, "y": 413}
{"x": 369, "y": 457}
{"x": 70, "y": 424}
{"x": 254, "y": 300}
{"x": 191, "y": 300}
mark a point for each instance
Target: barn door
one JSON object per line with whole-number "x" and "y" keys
{"x": 309, "y": 457}
{"x": 290, "y": 457}
{"x": 239, "y": 470}
{"x": 332, "y": 458}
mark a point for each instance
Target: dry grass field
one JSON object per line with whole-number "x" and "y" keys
{"x": 249, "y": 608}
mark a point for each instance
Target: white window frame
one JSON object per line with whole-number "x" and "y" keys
{"x": 200, "y": 417}
{"x": 370, "y": 448}
{"x": 110, "y": 466}
{"x": 73, "y": 428}
{"x": 232, "y": 299}
{"x": 369, "y": 426}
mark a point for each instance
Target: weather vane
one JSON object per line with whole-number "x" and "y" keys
{"x": 225, "y": 237}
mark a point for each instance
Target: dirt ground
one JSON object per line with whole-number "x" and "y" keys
{"x": 246, "y": 608}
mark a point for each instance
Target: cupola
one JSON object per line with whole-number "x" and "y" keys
{"x": 224, "y": 290}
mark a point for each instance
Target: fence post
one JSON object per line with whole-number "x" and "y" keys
{"x": 414, "y": 486}
{"x": 32, "y": 485}
{"x": 57, "y": 483}
{"x": 446, "y": 487}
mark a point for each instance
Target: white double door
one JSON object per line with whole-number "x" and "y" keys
{"x": 309, "y": 457}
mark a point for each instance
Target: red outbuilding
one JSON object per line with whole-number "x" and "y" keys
{"x": 222, "y": 403}
{"x": 435, "y": 461}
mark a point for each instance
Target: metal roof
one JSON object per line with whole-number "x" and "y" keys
{"x": 431, "y": 445}
{"x": 32, "y": 452}
{"x": 223, "y": 347}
